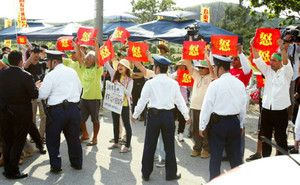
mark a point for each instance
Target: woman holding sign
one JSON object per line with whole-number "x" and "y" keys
{"x": 121, "y": 73}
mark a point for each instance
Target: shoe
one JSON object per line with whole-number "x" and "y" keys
{"x": 43, "y": 140}
{"x": 294, "y": 151}
{"x": 125, "y": 150}
{"x": 254, "y": 157}
{"x": 180, "y": 137}
{"x": 161, "y": 164}
{"x": 55, "y": 170}
{"x": 178, "y": 176}
{"x": 205, "y": 154}
{"x": 29, "y": 153}
{"x": 156, "y": 159}
{"x": 122, "y": 142}
{"x": 195, "y": 153}
{"x": 145, "y": 178}
{"x": 42, "y": 150}
{"x": 76, "y": 167}
{"x": 15, "y": 176}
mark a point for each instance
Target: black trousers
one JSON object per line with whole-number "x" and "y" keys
{"x": 164, "y": 123}
{"x": 181, "y": 120}
{"x": 35, "y": 135}
{"x": 276, "y": 120}
{"x": 14, "y": 131}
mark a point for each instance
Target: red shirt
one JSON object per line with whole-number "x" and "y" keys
{"x": 239, "y": 73}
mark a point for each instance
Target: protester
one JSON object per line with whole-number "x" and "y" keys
{"x": 38, "y": 70}
{"x": 202, "y": 78}
{"x": 276, "y": 97}
{"x": 62, "y": 88}
{"x": 161, "y": 93}
{"x": 16, "y": 112}
{"x": 222, "y": 116}
{"x": 121, "y": 74}
{"x": 91, "y": 96}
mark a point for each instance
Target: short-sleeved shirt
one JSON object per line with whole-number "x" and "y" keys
{"x": 91, "y": 82}
{"x": 74, "y": 65}
{"x": 239, "y": 73}
{"x": 38, "y": 71}
{"x": 201, "y": 83}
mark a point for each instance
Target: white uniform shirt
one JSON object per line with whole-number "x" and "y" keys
{"x": 224, "y": 96}
{"x": 277, "y": 85}
{"x": 62, "y": 83}
{"x": 161, "y": 92}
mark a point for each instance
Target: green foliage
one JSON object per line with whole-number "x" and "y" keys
{"x": 145, "y": 9}
{"x": 289, "y": 8}
{"x": 237, "y": 20}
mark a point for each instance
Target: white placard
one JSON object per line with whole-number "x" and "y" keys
{"x": 113, "y": 98}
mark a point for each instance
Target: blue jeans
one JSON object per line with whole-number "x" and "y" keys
{"x": 160, "y": 150}
{"x": 126, "y": 122}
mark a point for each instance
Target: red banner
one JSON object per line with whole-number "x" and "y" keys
{"x": 266, "y": 39}
{"x": 265, "y": 55}
{"x": 184, "y": 79}
{"x": 85, "y": 36}
{"x": 137, "y": 51}
{"x": 106, "y": 52}
{"x": 21, "y": 39}
{"x": 65, "y": 43}
{"x": 193, "y": 50}
{"x": 120, "y": 34}
{"x": 224, "y": 45}
{"x": 21, "y": 20}
{"x": 260, "y": 81}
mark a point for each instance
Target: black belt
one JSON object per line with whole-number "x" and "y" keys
{"x": 156, "y": 111}
{"x": 62, "y": 105}
{"x": 215, "y": 118}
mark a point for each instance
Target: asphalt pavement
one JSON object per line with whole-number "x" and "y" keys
{"x": 104, "y": 166}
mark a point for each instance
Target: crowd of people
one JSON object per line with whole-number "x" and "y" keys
{"x": 65, "y": 92}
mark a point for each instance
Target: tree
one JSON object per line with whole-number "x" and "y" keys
{"x": 288, "y": 8}
{"x": 145, "y": 9}
{"x": 237, "y": 20}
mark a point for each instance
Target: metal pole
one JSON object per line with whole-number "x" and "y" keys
{"x": 98, "y": 21}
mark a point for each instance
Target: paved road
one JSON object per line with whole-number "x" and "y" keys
{"x": 103, "y": 166}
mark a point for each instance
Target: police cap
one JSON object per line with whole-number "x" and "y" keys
{"x": 161, "y": 60}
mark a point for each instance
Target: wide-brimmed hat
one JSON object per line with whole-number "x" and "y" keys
{"x": 162, "y": 46}
{"x": 124, "y": 62}
{"x": 180, "y": 63}
{"x": 200, "y": 63}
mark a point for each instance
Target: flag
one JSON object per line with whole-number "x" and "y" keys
{"x": 120, "y": 34}
{"x": 137, "y": 51}
{"x": 193, "y": 50}
{"x": 65, "y": 43}
{"x": 205, "y": 14}
{"x": 85, "y": 36}
{"x": 21, "y": 15}
{"x": 7, "y": 23}
{"x": 21, "y": 39}
{"x": 106, "y": 53}
{"x": 7, "y": 43}
{"x": 260, "y": 81}
{"x": 265, "y": 55}
{"x": 224, "y": 45}
{"x": 184, "y": 79}
{"x": 266, "y": 39}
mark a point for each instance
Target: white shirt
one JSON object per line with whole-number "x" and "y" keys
{"x": 277, "y": 85}
{"x": 224, "y": 96}
{"x": 62, "y": 83}
{"x": 161, "y": 92}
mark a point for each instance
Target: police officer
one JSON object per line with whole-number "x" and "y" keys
{"x": 162, "y": 93}
{"x": 62, "y": 88}
{"x": 225, "y": 107}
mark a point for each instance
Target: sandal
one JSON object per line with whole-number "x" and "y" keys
{"x": 44, "y": 140}
{"x": 92, "y": 143}
{"x": 125, "y": 150}
{"x": 82, "y": 139}
{"x": 113, "y": 147}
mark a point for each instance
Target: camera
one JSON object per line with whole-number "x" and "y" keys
{"x": 293, "y": 32}
{"x": 193, "y": 31}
